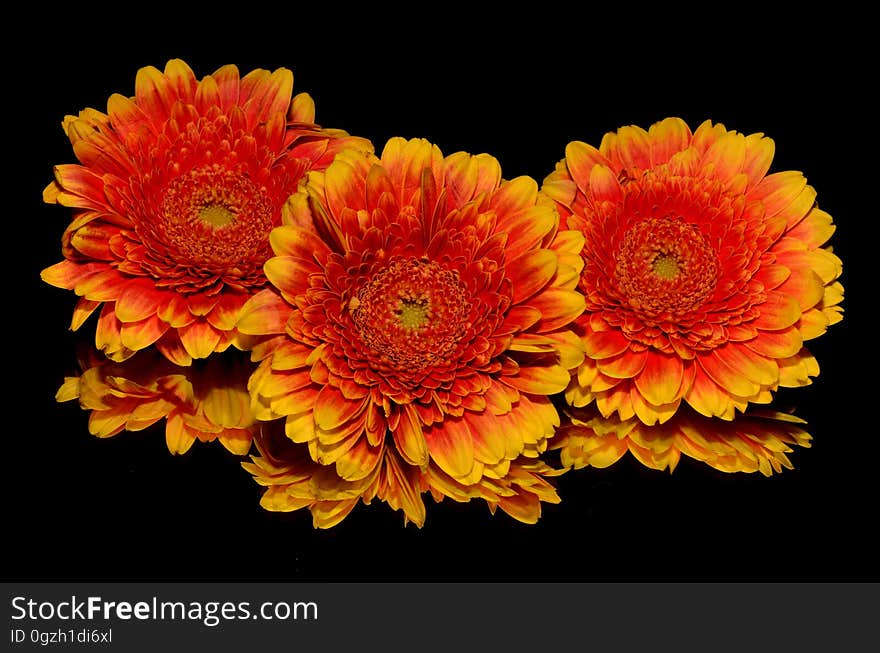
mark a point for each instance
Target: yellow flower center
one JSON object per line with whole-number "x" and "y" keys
{"x": 216, "y": 215}
{"x": 665, "y": 266}
{"x": 413, "y": 313}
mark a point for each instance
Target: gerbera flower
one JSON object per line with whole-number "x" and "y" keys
{"x": 173, "y": 202}
{"x": 293, "y": 481}
{"x": 422, "y": 323}
{"x": 757, "y": 441}
{"x": 207, "y": 401}
{"x": 703, "y": 274}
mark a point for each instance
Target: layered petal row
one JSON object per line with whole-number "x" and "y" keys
{"x": 757, "y": 441}
{"x": 208, "y": 401}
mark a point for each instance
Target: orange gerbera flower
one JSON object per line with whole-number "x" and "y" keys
{"x": 754, "y": 442}
{"x": 703, "y": 275}
{"x": 178, "y": 189}
{"x": 422, "y": 323}
{"x": 207, "y": 401}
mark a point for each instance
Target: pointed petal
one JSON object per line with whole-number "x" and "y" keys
{"x": 290, "y": 275}
{"x": 68, "y": 274}
{"x": 558, "y": 307}
{"x": 580, "y": 159}
{"x": 295, "y": 241}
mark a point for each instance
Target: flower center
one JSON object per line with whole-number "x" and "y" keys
{"x": 411, "y": 313}
{"x": 216, "y": 216}
{"x": 666, "y": 265}
{"x": 215, "y": 219}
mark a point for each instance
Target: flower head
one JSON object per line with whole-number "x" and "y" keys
{"x": 703, "y": 275}
{"x": 757, "y": 441}
{"x": 207, "y": 401}
{"x": 173, "y": 200}
{"x": 423, "y": 320}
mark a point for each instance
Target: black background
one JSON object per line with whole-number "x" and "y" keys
{"x": 79, "y": 508}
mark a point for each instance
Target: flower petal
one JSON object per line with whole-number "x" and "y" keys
{"x": 410, "y": 439}
{"x": 660, "y": 380}
{"x": 332, "y": 409}
{"x": 605, "y": 344}
{"x": 539, "y": 380}
{"x": 530, "y": 272}
{"x": 451, "y": 446}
